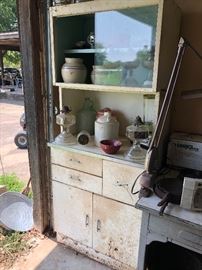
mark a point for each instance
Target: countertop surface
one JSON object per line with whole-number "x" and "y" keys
{"x": 173, "y": 211}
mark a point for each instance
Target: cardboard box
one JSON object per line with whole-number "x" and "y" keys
{"x": 185, "y": 150}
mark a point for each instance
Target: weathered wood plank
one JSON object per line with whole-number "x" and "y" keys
{"x": 32, "y": 21}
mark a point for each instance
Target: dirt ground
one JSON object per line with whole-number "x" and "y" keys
{"x": 15, "y": 247}
{"x": 14, "y": 160}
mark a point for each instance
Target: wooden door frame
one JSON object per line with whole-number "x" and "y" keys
{"x": 33, "y": 29}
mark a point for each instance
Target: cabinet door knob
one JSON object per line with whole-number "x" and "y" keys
{"x": 98, "y": 225}
{"x": 87, "y": 220}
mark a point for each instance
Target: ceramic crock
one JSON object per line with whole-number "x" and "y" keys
{"x": 73, "y": 70}
{"x": 106, "y": 128}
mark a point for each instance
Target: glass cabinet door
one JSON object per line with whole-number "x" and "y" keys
{"x": 125, "y": 46}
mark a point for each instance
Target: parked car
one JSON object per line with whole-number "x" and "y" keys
{"x": 12, "y": 77}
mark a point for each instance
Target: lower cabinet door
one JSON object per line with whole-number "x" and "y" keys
{"x": 116, "y": 230}
{"x": 72, "y": 210}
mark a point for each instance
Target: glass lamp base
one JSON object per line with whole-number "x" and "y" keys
{"x": 136, "y": 153}
{"x": 66, "y": 138}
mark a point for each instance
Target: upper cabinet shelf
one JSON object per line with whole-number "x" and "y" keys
{"x": 92, "y": 7}
{"x": 104, "y": 88}
{"x": 96, "y": 50}
{"x": 84, "y": 51}
{"x": 134, "y": 43}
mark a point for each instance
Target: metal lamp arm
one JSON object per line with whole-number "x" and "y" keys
{"x": 168, "y": 97}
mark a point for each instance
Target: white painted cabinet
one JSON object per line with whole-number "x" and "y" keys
{"x": 72, "y": 210}
{"x": 95, "y": 221}
{"x": 116, "y": 229}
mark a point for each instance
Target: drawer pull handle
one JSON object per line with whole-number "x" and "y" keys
{"x": 74, "y": 160}
{"x": 98, "y": 225}
{"x": 126, "y": 187}
{"x": 87, "y": 220}
{"x": 75, "y": 178}
{"x": 118, "y": 184}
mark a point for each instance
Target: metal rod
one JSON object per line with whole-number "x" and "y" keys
{"x": 168, "y": 97}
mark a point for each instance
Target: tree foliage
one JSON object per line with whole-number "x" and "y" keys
{"x": 12, "y": 59}
{"x": 9, "y": 23}
{"x": 8, "y": 16}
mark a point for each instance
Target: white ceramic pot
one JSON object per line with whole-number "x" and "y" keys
{"x": 106, "y": 128}
{"x": 74, "y": 71}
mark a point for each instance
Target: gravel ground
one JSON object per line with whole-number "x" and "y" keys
{"x": 14, "y": 160}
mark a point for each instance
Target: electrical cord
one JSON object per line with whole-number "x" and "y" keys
{"x": 134, "y": 184}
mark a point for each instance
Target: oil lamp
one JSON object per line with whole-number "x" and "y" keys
{"x": 66, "y": 120}
{"x": 137, "y": 132}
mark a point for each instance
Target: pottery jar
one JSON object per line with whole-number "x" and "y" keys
{"x": 106, "y": 128}
{"x": 73, "y": 70}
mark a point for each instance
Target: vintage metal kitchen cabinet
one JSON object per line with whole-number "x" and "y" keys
{"x": 129, "y": 47}
{"x": 95, "y": 214}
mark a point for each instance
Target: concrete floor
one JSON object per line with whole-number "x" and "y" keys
{"x": 14, "y": 160}
{"x": 49, "y": 255}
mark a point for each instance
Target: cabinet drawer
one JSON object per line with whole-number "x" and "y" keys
{"x": 118, "y": 180}
{"x": 77, "y": 179}
{"x": 77, "y": 161}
